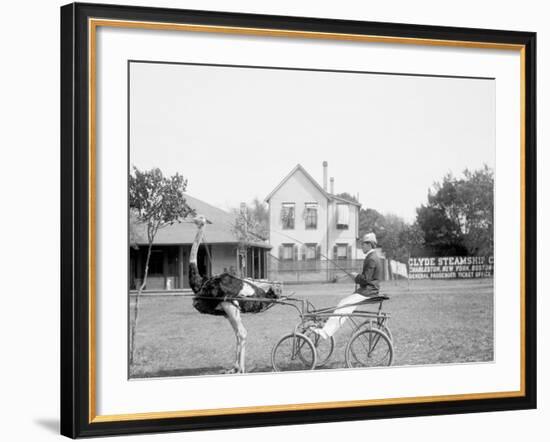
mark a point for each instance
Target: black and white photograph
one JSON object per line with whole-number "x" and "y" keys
{"x": 273, "y": 221}
{"x": 284, "y": 219}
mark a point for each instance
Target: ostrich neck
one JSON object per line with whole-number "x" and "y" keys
{"x": 195, "y": 247}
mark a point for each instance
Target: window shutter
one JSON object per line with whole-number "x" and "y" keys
{"x": 349, "y": 253}
{"x": 280, "y": 253}
{"x": 295, "y": 252}
{"x": 335, "y": 251}
{"x": 303, "y": 250}
{"x": 315, "y": 218}
{"x": 318, "y": 252}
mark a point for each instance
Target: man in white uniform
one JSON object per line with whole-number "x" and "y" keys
{"x": 369, "y": 285}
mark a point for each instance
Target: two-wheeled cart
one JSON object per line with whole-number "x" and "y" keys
{"x": 370, "y": 344}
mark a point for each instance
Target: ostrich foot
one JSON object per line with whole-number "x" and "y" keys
{"x": 235, "y": 369}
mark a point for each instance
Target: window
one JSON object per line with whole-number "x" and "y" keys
{"x": 342, "y": 216}
{"x": 310, "y": 215}
{"x": 287, "y": 215}
{"x": 341, "y": 251}
{"x": 287, "y": 252}
{"x": 310, "y": 252}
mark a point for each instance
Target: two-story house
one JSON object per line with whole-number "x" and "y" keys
{"x": 308, "y": 223}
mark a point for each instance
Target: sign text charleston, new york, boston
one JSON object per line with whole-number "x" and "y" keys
{"x": 448, "y": 267}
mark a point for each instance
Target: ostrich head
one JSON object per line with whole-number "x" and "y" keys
{"x": 199, "y": 220}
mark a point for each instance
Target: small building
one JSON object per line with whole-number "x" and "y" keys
{"x": 218, "y": 253}
{"x": 308, "y": 224}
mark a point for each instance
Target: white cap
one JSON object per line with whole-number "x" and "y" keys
{"x": 370, "y": 237}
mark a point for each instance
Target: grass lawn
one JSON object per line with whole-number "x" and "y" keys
{"x": 432, "y": 322}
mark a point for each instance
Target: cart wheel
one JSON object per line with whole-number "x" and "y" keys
{"x": 374, "y": 324}
{"x": 323, "y": 347}
{"x": 369, "y": 347}
{"x": 293, "y": 352}
{"x": 384, "y": 329}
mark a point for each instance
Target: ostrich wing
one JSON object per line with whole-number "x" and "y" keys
{"x": 232, "y": 287}
{"x": 226, "y": 287}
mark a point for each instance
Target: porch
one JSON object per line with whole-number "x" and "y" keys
{"x": 169, "y": 264}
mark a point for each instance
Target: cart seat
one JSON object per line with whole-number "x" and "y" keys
{"x": 374, "y": 299}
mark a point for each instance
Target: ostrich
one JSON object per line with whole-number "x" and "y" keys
{"x": 225, "y": 295}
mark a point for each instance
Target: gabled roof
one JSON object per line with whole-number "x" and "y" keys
{"x": 292, "y": 172}
{"x": 327, "y": 195}
{"x": 218, "y": 232}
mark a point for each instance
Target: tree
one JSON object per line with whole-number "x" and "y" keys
{"x": 391, "y": 241}
{"x": 155, "y": 202}
{"x": 412, "y": 239}
{"x": 251, "y": 221}
{"x": 134, "y": 234}
{"x": 458, "y": 218}
{"x": 259, "y": 216}
{"x": 250, "y": 224}
{"x": 347, "y": 196}
{"x": 442, "y": 236}
{"x": 394, "y": 235}
{"x": 477, "y": 201}
{"x": 370, "y": 220}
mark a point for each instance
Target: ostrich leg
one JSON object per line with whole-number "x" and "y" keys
{"x": 234, "y": 317}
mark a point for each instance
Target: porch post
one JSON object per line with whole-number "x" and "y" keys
{"x": 165, "y": 267}
{"x": 180, "y": 266}
{"x": 253, "y": 266}
{"x": 209, "y": 258}
{"x": 263, "y": 255}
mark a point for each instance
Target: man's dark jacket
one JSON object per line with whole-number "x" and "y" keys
{"x": 369, "y": 279}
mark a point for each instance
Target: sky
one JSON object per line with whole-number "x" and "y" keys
{"x": 236, "y": 132}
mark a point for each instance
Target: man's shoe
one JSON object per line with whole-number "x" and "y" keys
{"x": 320, "y": 332}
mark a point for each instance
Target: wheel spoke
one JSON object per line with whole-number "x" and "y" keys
{"x": 323, "y": 347}
{"x": 293, "y": 352}
{"x": 369, "y": 348}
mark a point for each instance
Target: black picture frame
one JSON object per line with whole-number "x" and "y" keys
{"x": 77, "y": 418}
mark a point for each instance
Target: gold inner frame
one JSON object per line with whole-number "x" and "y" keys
{"x": 93, "y": 24}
